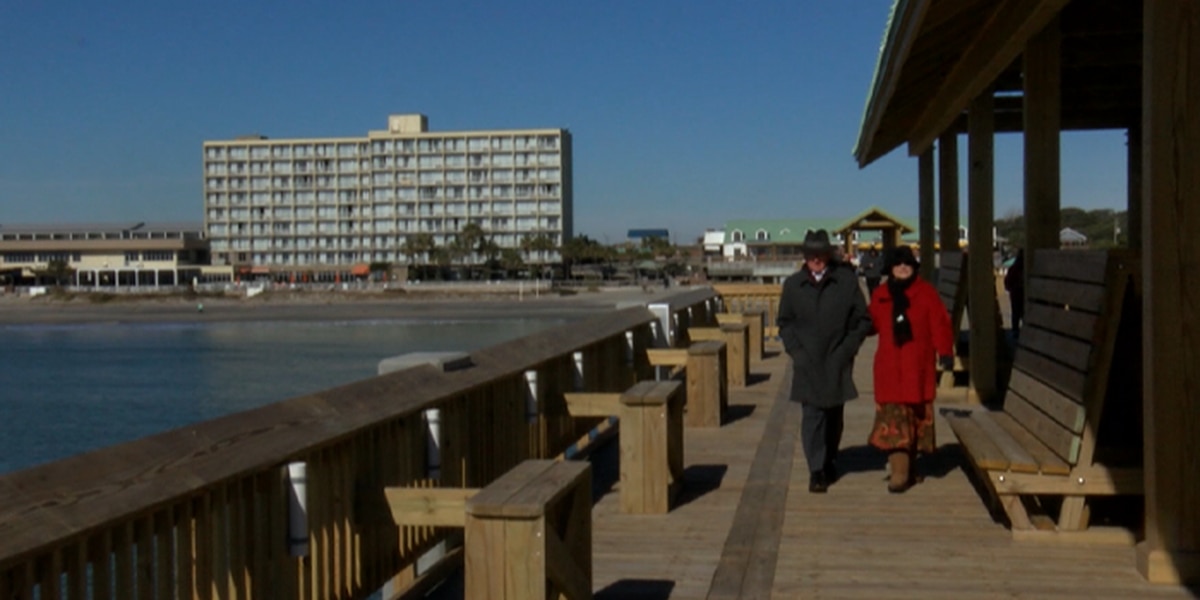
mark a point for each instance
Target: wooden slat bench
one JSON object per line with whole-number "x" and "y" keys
{"x": 526, "y": 535}
{"x": 1043, "y": 451}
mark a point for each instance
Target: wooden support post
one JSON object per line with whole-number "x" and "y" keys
{"x": 948, "y": 192}
{"x": 981, "y": 282}
{"x": 1043, "y": 121}
{"x": 527, "y": 535}
{"x": 707, "y": 389}
{"x": 1133, "y": 228}
{"x": 734, "y": 365}
{"x": 925, "y": 212}
{"x": 651, "y": 441}
{"x": 755, "y": 324}
{"x": 1170, "y": 325}
{"x": 737, "y": 359}
{"x": 755, "y": 320}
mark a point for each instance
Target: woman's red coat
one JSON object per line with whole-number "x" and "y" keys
{"x": 908, "y": 374}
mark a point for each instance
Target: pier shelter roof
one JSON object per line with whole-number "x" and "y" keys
{"x": 937, "y": 55}
{"x": 1041, "y": 67}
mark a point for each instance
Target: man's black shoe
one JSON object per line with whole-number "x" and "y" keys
{"x": 817, "y": 483}
{"x": 831, "y": 473}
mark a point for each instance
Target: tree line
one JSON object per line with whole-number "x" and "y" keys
{"x": 1104, "y": 227}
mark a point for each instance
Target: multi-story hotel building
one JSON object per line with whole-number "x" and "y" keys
{"x": 326, "y": 204}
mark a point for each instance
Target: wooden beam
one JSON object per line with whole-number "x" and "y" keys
{"x": 948, "y": 192}
{"x": 440, "y": 507}
{"x": 667, "y": 357}
{"x": 1091, "y": 481}
{"x": 1001, "y": 40}
{"x": 594, "y": 404}
{"x": 1042, "y": 120}
{"x": 925, "y": 212}
{"x": 1170, "y": 324}
{"x": 981, "y": 280}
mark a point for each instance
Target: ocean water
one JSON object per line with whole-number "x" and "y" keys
{"x": 66, "y": 389}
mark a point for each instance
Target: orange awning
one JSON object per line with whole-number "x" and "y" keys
{"x": 360, "y": 269}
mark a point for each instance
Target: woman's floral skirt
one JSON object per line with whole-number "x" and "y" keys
{"x": 904, "y": 427}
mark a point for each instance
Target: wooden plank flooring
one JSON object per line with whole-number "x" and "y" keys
{"x": 857, "y": 541}
{"x": 731, "y": 537}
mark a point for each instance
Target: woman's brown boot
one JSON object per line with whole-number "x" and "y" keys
{"x": 900, "y": 463}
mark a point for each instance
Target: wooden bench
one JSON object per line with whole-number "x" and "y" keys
{"x": 952, "y": 288}
{"x": 706, "y": 397}
{"x": 650, "y": 438}
{"x": 736, "y": 338}
{"x": 527, "y": 535}
{"x": 1050, "y": 449}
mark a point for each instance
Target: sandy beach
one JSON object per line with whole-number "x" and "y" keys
{"x": 320, "y": 306}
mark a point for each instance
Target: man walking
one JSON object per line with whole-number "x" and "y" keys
{"x": 822, "y": 321}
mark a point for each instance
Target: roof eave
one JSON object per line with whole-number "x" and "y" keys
{"x": 904, "y": 23}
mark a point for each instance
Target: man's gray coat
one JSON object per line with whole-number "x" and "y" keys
{"x": 822, "y": 326}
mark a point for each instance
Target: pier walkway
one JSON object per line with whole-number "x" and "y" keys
{"x": 746, "y": 526}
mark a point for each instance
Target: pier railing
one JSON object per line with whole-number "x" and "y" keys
{"x": 286, "y": 501}
{"x": 747, "y": 297}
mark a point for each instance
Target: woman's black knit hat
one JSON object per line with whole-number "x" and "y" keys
{"x": 901, "y": 255}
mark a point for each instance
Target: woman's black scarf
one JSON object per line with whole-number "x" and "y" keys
{"x": 901, "y": 327}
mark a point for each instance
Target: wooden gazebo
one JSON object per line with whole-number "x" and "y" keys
{"x": 1039, "y": 67}
{"x": 876, "y": 219}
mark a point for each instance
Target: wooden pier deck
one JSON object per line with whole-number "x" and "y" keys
{"x": 746, "y": 526}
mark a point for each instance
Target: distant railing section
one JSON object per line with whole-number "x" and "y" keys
{"x": 286, "y": 501}
{"x": 747, "y": 297}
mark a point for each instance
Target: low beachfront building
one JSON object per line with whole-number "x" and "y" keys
{"x": 767, "y": 250}
{"x": 106, "y": 255}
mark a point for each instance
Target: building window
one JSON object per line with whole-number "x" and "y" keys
{"x": 737, "y": 235}
{"x": 762, "y": 235}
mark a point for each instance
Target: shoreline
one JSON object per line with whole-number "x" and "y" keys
{"x": 325, "y": 306}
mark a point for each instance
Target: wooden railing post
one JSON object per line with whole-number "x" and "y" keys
{"x": 528, "y": 535}
{"x": 518, "y": 547}
{"x": 651, "y": 441}
{"x": 755, "y": 319}
{"x": 707, "y": 388}
{"x": 754, "y": 324}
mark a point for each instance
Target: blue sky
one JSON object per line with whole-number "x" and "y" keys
{"x": 684, "y": 113}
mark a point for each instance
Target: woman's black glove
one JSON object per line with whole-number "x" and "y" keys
{"x": 946, "y": 362}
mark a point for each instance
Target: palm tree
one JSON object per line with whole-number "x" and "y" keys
{"x": 58, "y": 270}
{"x": 470, "y": 236}
{"x": 543, "y": 244}
{"x": 510, "y": 259}
{"x": 527, "y": 246}
{"x": 418, "y": 245}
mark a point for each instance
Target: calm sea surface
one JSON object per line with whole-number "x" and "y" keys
{"x": 70, "y": 389}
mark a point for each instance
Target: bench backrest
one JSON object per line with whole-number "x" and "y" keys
{"x": 952, "y": 285}
{"x": 1063, "y": 359}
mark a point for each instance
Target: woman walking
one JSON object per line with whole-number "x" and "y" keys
{"x": 914, "y": 330}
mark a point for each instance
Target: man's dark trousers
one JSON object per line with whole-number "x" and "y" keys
{"x": 821, "y": 434}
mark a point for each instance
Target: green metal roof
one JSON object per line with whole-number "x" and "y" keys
{"x": 778, "y": 231}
